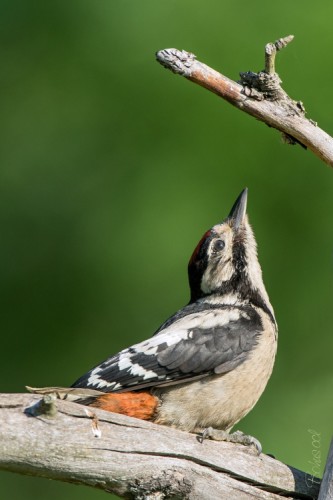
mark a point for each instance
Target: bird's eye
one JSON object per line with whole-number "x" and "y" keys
{"x": 218, "y": 245}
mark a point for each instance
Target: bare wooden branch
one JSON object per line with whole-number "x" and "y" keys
{"x": 133, "y": 458}
{"x": 258, "y": 94}
{"x": 326, "y": 489}
{"x": 270, "y": 53}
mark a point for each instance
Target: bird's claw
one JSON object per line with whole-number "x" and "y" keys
{"x": 234, "y": 437}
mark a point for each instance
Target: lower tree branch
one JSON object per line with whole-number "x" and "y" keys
{"x": 133, "y": 458}
{"x": 258, "y": 94}
{"x": 326, "y": 489}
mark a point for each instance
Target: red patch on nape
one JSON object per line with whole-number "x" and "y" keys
{"x": 139, "y": 404}
{"x": 197, "y": 248}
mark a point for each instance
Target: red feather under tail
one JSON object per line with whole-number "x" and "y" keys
{"x": 133, "y": 404}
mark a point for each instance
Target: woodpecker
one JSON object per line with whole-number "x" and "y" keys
{"x": 206, "y": 367}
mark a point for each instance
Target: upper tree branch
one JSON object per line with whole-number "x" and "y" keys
{"x": 133, "y": 458}
{"x": 258, "y": 94}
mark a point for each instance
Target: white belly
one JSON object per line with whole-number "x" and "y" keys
{"x": 220, "y": 401}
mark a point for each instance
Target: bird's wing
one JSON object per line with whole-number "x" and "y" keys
{"x": 190, "y": 345}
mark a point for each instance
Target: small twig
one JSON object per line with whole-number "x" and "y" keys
{"x": 270, "y": 52}
{"x": 258, "y": 94}
{"x": 45, "y": 407}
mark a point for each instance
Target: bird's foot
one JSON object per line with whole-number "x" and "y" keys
{"x": 234, "y": 437}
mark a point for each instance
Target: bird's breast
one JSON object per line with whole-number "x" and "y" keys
{"x": 220, "y": 401}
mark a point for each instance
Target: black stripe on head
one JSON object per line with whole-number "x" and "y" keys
{"x": 239, "y": 282}
{"x": 239, "y": 256}
{"x": 198, "y": 264}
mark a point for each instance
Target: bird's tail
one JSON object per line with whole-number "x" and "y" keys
{"x": 138, "y": 404}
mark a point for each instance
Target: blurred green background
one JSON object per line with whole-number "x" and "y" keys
{"x": 111, "y": 170}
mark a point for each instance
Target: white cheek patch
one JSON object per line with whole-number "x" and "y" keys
{"x": 214, "y": 277}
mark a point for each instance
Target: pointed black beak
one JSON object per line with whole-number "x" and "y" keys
{"x": 238, "y": 211}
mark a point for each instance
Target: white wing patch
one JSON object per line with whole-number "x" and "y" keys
{"x": 95, "y": 381}
{"x": 135, "y": 366}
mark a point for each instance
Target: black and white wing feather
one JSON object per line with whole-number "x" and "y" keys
{"x": 189, "y": 345}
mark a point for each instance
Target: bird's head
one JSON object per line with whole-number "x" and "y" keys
{"x": 225, "y": 260}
